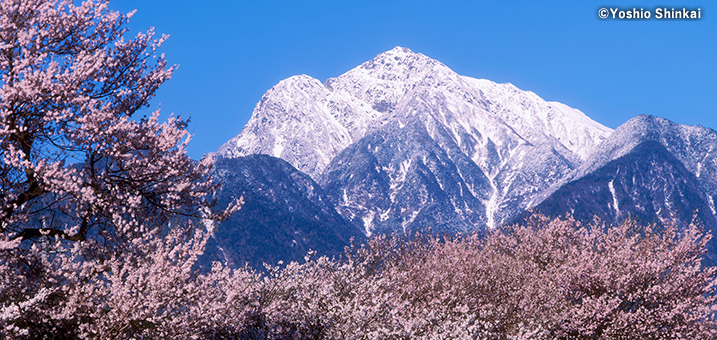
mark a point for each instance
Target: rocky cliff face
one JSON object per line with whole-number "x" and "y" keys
{"x": 285, "y": 215}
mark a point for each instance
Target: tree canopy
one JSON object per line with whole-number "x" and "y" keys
{"x": 73, "y": 154}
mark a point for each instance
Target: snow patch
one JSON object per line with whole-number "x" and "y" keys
{"x": 614, "y": 198}
{"x": 278, "y": 148}
{"x": 368, "y": 222}
{"x": 409, "y": 220}
{"x": 491, "y": 208}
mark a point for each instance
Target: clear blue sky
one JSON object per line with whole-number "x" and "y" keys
{"x": 231, "y": 52}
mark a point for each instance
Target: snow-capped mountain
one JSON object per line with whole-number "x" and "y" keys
{"x": 403, "y": 142}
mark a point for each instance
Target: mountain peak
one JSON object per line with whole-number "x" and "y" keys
{"x": 400, "y": 49}
{"x": 645, "y": 119}
{"x": 301, "y": 82}
{"x": 411, "y": 118}
{"x": 401, "y": 60}
{"x": 399, "y": 53}
{"x": 382, "y": 82}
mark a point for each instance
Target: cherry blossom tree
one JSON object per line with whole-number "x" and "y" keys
{"x": 75, "y": 158}
{"x": 87, "y": 187}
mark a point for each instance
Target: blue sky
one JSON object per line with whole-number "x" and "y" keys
{"x": 231, "y": 52}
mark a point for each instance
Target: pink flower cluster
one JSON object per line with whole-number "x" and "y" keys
{"x": 74, "y": 160}
{"x": 551, "y": 279}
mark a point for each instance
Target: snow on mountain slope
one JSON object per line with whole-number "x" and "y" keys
{"x": 300, "y": 111}
{"x": 694, "y": 146}
{"x": 293, "y": 122}
{"x": 518, "y": 142}
{"x": 398, "y": 177}
{"x": 535, "y": 119}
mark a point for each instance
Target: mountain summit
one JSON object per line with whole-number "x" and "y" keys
{"x": 404, "y": 142}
